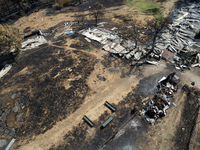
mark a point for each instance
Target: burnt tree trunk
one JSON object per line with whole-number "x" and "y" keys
{"x": 14, "y": 6}
{"x": 7, "y": 7}
{"x": 96, "y": 20}
{"x": 2, "y": 11}
{"x": 18, "y": 3}
{"x": 154, "y": 41}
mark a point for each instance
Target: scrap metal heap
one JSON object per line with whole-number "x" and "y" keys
{"x": 156, "y": 108}
{"x": 175, "y": 44}
{"x": 158, "y": 105}
{"x": 113, "y": 43}
{"x": 179, "y": 38}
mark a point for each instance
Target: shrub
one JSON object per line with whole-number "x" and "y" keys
{"x": 10, "y": 36}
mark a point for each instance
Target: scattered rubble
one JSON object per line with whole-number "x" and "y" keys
{"x": 3, "y": 126}
{"x": 113, "y": 43}
{"x": 64, "y": 29}
{"x": 179, "y": 38}
{"x": 158, "y": 105}
{"x": 174, "y": 45}
{"x": 3, "y": 143}
{"x": 30, "y": 43}
{"x": 156, "y": 108}
{"x": 112, "y": 70}
{"x": 33, "y": 43}
{"x": 134, "y": 123}
{"x": 101, "y": 78}
{"x": 5, "y": 70}
{"x": 20, "y": 102}
{"x": 169, "y": 83}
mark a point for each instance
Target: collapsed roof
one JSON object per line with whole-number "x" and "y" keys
{"x": 112, "y": 42}
{"x": 179, "y": 36}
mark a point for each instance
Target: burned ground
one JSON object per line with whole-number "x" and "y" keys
{"x": 148, "y": 86}
{"x": 126, "y": 70}
{"x": 80, "y": 138}
{"x": 184, "y": 132}
{"x": 47, "y": 68}
{"x": 53, "y": 80}
{"x": 126, "y": 137}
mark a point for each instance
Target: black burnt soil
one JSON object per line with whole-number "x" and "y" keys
{"x": 77, "y": 138}
{"x": 183, "y": 134}
{"x": 50, "y": 101}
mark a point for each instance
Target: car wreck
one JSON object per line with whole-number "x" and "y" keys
{"x": 158, "y": 105}
{"x": 156, "y": 108}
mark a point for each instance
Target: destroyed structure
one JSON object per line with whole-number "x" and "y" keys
{"x": 175, "y": 44}
{"x": 179, "y": 38}
{"x": 158, "y": 105}
{"x": 63, "y": 30}
{"x": 31, "y": 42}
{"x": 113, "y": 43}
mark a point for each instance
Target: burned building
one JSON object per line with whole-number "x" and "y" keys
{"x": 158, "y": 105}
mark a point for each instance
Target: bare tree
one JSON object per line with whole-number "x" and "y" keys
{"x": 132, "y": 31}
{"x": 7, "y": 6}
{"x": 97, "y": 11}
{"x": 155, "y": 28}
{"x": 18, "y": 2}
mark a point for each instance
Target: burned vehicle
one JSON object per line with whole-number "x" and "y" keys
{"x": 158, "y": 105}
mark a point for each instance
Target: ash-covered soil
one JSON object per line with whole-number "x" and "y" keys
{"x": 188, "y": 120}
{"x": 85, "y": 138}
{"x": 55, "y": 79}
{"x": 175, "y": 128}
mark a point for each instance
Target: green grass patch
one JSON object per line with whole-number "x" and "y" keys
{"x": 144, "y": 6}
{"x": 88, "y": 48}
{"x": 160, "y": 17}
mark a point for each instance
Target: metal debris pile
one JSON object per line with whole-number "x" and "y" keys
{"x": 179, "y": 38}
{"x": 5, "y": 70}
{"x": 158, "y": 105}
{"x": 3, "y": 125}
{"x": 64, "y": 29}
{"x": 156, "y": 108}
{"x": 33, "y": 43}
{"x": 113, "y": 43}
{"x": 30, "y": 42}
{"x": 33, "y": 40}
{"x": 21, "y": 100}
{"x": 176, "y": 43}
